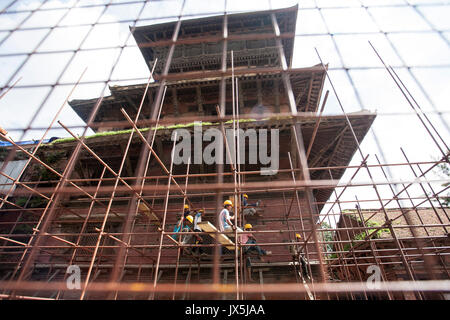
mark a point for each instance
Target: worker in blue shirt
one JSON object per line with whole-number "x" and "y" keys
{"x": 249, "y": 209}
{"x": 177, "y": 228}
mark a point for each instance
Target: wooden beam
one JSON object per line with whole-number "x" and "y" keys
{"x": 223, "y": 239}
{"x": 81, "y": 171}
{"x": 130, "y": 102}
{"x": 217, "y": 38}
{"x": 175, "y": 101}
{"x": 128, "y": 167}
{"x": 328, "y": 146}
{"x": 276, "y": 88}
{"x": 150, "y": 97}
{"x": 241, "y": 96}
{"x": 322, "y": 81}
{"x": 316, "y": 127}
{"x": 144, "y": 209}
{"x": 309, "y": 92}
{"x": 199, "y": 99}
{"x": 259, "y": 91}
{"x": 218, "y": 74}
{"x": 330, "y": 158}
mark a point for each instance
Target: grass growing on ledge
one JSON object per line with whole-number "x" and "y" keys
{"x": 100, "y": 134}
{"x": 118, "y": 132}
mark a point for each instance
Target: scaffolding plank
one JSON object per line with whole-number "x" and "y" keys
{"x": 143, "y": 208}
{"x": 223, "y": 239}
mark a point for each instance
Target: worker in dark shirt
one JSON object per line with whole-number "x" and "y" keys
{"x": 186, "y": 211}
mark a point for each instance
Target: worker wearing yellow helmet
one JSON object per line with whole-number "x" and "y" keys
{"x": 297, "y": 251}
{"x": 190, "y": 219}
{"x": 248, "y": 238}
{"x": 249, "y": 209}
{"x": 244, "y": 199}
{"x": 183, "y": 225}
{"x": 228, "y": 203}
{"x": 225, "y": 224}
{"x": 187, "y": 238}
{"x": 186, "y": 210}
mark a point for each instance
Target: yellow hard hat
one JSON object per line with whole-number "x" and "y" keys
{"x": 245, "y": 195}
{"x": 186, "y": 206}
{"x": 190, "y": 218}
{"x": 297, "y": 235}
{"x": 248, "y": 226}
{"x": 228, "y": 202}
{"x": 201, "y": 210}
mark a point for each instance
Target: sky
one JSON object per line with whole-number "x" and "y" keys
{"x": 411, "y": 35}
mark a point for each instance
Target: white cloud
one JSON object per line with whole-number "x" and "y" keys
{"x": 46, "y": 68}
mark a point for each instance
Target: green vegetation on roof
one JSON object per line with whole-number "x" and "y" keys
{"x": 362, "y": 235}
{"x": 100, "y": 134}
{"x": 244, "y": 120}
{"x": 186, "y": 125}
{"x": 61, "y": 140}
{"x": 369, "y": 224}
{"x": 176, "y": 126}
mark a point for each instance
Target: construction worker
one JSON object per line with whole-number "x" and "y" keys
{"x": 188, "y": 223}
{"x": 197, "y": 228}
{"x": 248, "y": 238}
{"x": 298, "y": 255}
{"x": 248, "y": 208}
{"x": 197, "y": 219}
{"x": 188, "y": 238}
{"x": 225, "y": 224}
{"x": 186, "y": 211}
{"x": 183, "y": 225}
{"x": 177, "y": 228}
